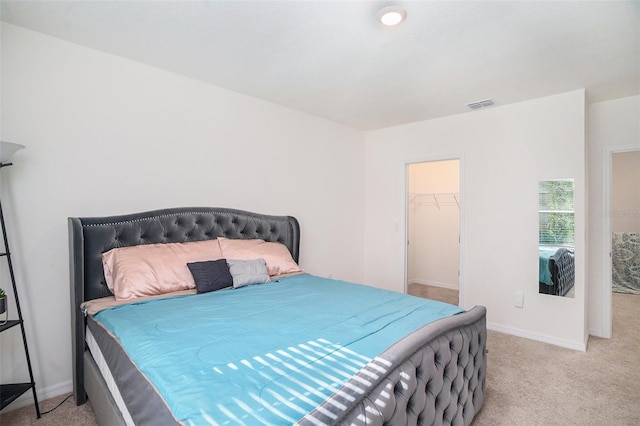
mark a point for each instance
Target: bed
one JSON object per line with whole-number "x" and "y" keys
{"x": 431, "y": 374}
{"x": 556, "y": 270}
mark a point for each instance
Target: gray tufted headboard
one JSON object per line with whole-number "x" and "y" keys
{"x": 92, "y": 236}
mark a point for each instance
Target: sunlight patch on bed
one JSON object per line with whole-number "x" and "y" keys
{"x": 315, "y": 375}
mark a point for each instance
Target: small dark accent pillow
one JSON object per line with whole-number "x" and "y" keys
{"x": 211, "y": 275}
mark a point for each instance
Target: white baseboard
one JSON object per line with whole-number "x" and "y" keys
{"x": 434, "y": 284}
{"x": 578, "y": 346}
{"x": 26, "y": 398}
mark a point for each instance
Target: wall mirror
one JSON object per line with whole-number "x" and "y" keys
{"x": 556, "y": 237}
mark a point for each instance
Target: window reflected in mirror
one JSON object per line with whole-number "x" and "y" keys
{"x": 556, "y": 237}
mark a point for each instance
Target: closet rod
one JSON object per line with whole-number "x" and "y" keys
{"x": 414, "y": 195}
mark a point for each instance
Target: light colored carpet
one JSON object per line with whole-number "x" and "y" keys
{"x": 435, "y": 293}
{"x": 533, "y": 383}
{"x": 528, "y": 383}
{"x": 68, "y": 414}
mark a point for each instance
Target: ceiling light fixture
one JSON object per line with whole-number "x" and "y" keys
{"x": 391, "y": 15}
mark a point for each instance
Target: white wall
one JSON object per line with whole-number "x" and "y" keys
{"x": 433, "y": 251}
{"x": 625, "y": 192}
{"x": 613, "y": 126}
{"x": 505, "y": 151}
{"x": 106, "y": 135}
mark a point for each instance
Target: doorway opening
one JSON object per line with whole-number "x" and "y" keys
{"x": 433, "y": 230}
{"x": 623, "y": 233}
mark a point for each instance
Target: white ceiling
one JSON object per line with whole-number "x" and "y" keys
{"x": 334, "y": 60}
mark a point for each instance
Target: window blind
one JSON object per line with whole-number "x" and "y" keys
{"x": 556, "y": 212}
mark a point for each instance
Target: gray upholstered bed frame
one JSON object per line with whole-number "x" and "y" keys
{"x": 563, "y": 273}
{"x": 436, "y": 375}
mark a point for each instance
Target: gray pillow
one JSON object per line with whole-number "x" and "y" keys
{"x": 245, "y": 272}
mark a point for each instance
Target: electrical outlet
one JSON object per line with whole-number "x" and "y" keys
{"x": 519, "y": 299}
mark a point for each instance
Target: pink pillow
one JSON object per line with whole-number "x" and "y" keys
{"x": 277, "y": 256}
{"x": 153, "y": 269}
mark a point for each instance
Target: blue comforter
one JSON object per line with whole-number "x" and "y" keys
{"x": 263, "y": 354}
{"x": 545, "y": 253}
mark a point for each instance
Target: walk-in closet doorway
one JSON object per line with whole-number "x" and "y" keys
{"x": 433, "y": 230}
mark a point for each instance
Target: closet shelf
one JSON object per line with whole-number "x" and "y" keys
{"x": 435, "y": 198}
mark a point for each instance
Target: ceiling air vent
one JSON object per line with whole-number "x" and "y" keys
{"x": 480, "y": 104}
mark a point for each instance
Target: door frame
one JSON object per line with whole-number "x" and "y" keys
{"x": 607, "y": 307}
{"x": 405, "y": 209}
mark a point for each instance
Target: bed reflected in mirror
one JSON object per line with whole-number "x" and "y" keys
{"x": 556, "y": 239}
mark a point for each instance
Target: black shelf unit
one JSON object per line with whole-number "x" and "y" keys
{"x": 9, "y": 392}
